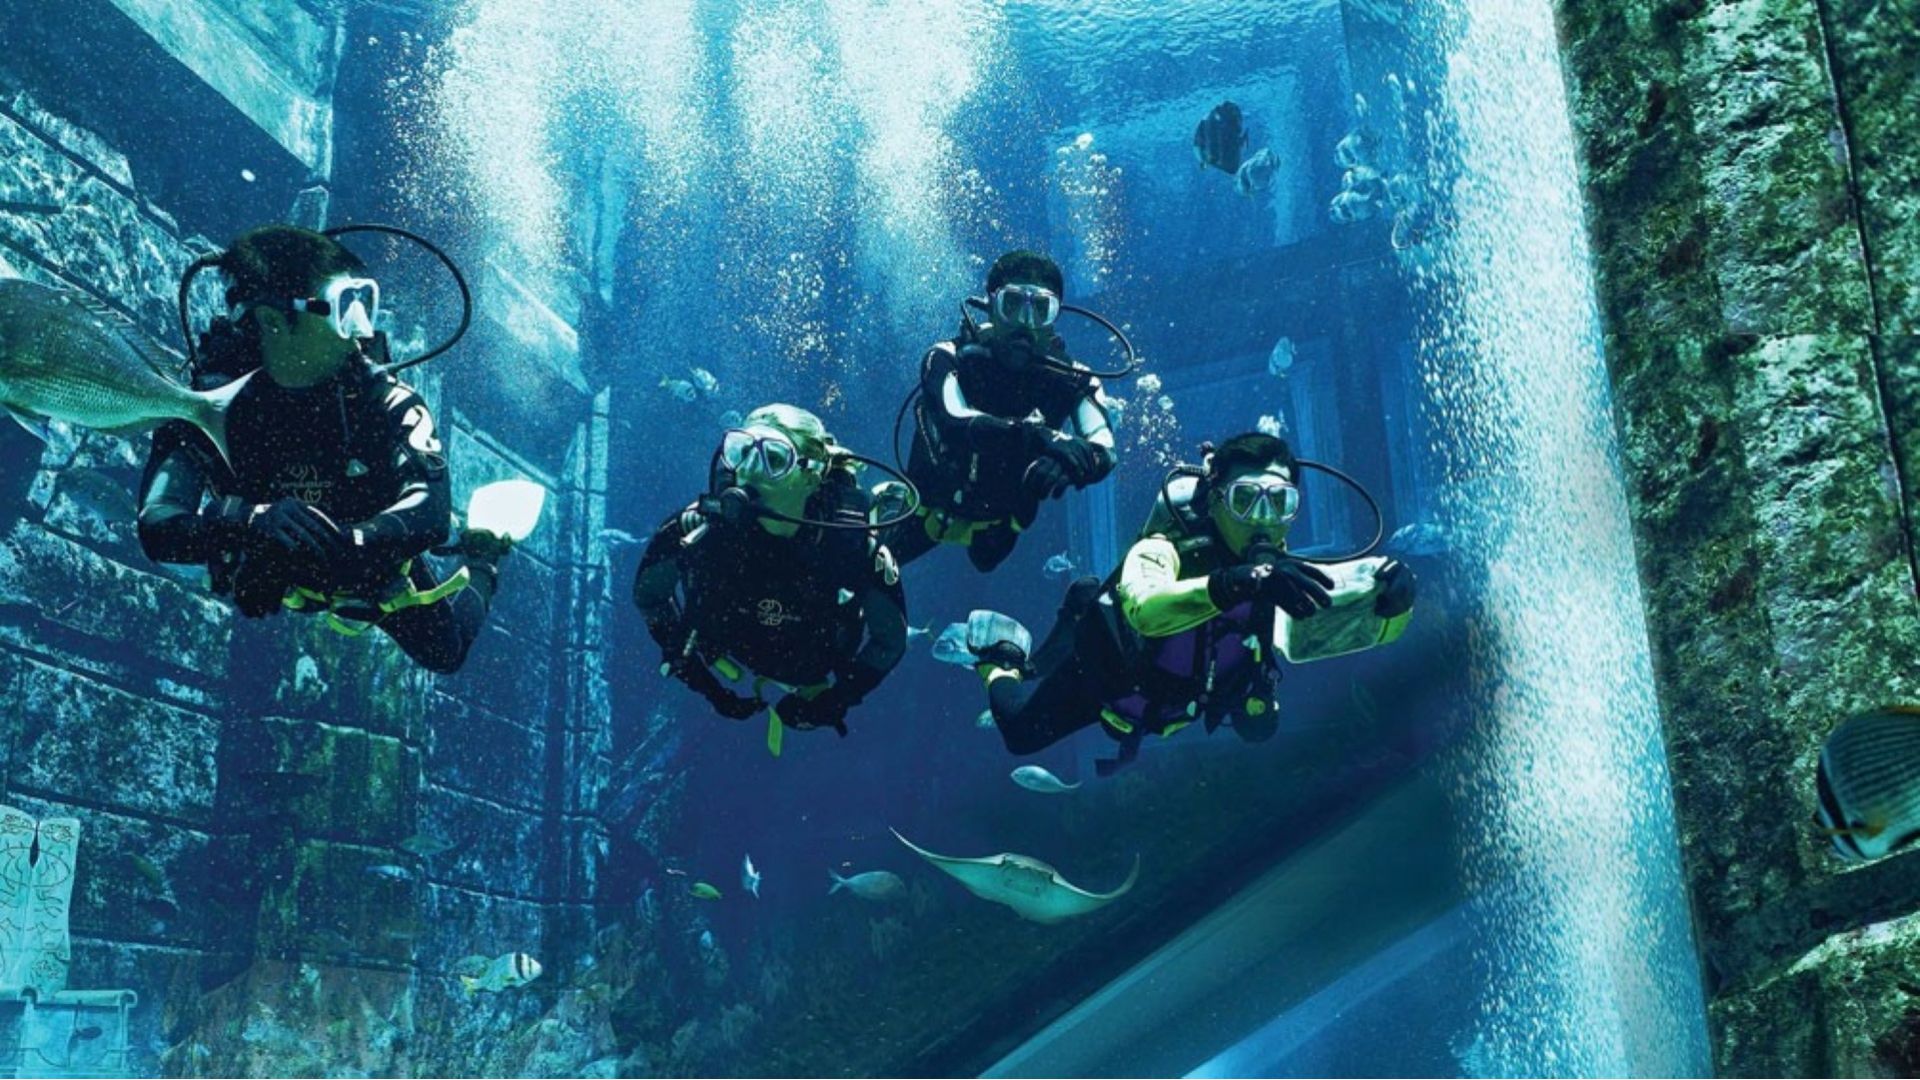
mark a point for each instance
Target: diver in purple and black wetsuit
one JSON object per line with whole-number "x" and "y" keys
{"x": 1182, "y": 631}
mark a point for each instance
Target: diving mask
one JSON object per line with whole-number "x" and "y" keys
{"x": 1262, "y": 500}
{"x": 349, "y": 304}
{"x": 759, "y": 454}
{"x": 1029, "y": 306}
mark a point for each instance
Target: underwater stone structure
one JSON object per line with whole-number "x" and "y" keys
{"x": 256, "y": 799}
{"x": 1749, "y": 167}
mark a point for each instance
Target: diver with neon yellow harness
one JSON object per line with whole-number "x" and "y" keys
{"x": 1004, "y": 419}
{"x": 1184, "y": 631}
{"x": 337, "y": 488}
{"x": 774, "y": 575}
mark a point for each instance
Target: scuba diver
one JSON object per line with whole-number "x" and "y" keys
{"x": 776, "y": 573}
{"x": 1183, "y": 630}
{"x": 336, "y": 487}
{"x": 1005, "y": 420}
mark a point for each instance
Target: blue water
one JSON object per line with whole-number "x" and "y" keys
{"x": 1458, "y": 856}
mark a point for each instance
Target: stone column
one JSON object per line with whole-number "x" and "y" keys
{"x": 1748, "y": 165}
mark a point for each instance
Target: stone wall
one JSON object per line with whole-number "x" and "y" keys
{"x": 244, "y": 788}
{"x": 1749, "y": 167}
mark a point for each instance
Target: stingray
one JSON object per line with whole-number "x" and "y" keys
{"x": 1030, "y": 887}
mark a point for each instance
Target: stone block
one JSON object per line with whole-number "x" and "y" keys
{"x": 75, "y": 587}
{"x": 342, "y": 903}
{"x": 462, "y": 922}
{"x": 318, "y": 673}
{"x": 508, "y": 676}
{"x": 1877, "y": 46}
{"x": 81, "y": 741}
{"x": 1785, "y": 245}
{"x": 471, "y": 750}
{"x": 497, "y": 849}
{"x": 342, "y": 783}
{"x": 1849, "y": 1007}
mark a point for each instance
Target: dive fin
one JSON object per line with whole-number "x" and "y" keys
{"x": 36, "y": 425}
{"x": 212, "y": 417}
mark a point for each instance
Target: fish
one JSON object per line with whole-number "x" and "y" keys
{"x": 1256, "y": 174}
{"x": 1034, "y": 890}
{"x": 504, "y": 973}
{"x": 674, "y": 871}
{"x": 65, "y": 356}
{"x": 1868, "y": 783}
{"x": 703, "y": 380}
{"x": 425, "y": 846}
{"x": 1058, "y": 565}
{"x": 917, "y": 634}
{"x": 679, "y": 388}
{"x": 148, "y": 870}
{"x": 706, "y": 941}
{"x": 703, "y": 891}
{"x": 619, "y": 538}
{"x": 1270, "y": 425}
{"x": 1420, "y": 538}
{"x": 749, "y": 877}
{"x": 1280, "y": 360}
{"x": 1037, "y": 778}
{"x": 390, "y": 872}
{"x": 104, "y": 499}
{"x": 1220, "y": 137}
{"x": 879, "y": 886}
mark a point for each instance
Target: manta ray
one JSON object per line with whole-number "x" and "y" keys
{"x": 1030, "y": 887}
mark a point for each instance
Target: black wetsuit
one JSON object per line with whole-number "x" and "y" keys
{"x": 974, "y": 444}
{"x": 797, "y": 610}
{"x": 362, "y": 449}
{"x": 1093, "y": 665}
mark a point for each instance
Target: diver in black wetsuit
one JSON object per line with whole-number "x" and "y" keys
{"x": 1005, "y": 420}
{"x": 816, "y": 613}
{"x": 1183, "y": 631}
{"x": 337, "y": 487}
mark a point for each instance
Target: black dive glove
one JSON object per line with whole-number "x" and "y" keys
{"x": 827, "y": 709}
{"x": 1295, "y": 587}
{"x": 1046, "y": 479}
{"x": 1395, "y": 596}
{"x": 731, "y": 705}
{"x": 292, "y": 527}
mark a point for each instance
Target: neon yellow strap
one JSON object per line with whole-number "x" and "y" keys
{"x": 728, "y": 669}
{"x": 995, "y": 674}
{"x": 1116, "y": 721}
{"x": 1395, "y": 626}
{"x": 1171, "y": 728}
{"x": 777, "y": 728}
{"x": 300, "y": 598}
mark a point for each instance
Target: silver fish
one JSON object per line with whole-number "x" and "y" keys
{"x": 619, "y": 538}
{"x": 749, "y": 877}
{"x": 424, "y": 845}
{"x": 1280, "y": 360}
{"x": 1034, "y": 890}
{"x": 917, "y": 634}
{"x": 1869, "y": 783}
{"x": 1037, "y": 778}
{"x": 679, "y": 388}
{"x": 103, "y": 498}
{"x": 66, "y": 357}
{"x": 1058, "y": 565}
{"x": 504, "y": 973}
{"x": 880, "y": 886}
{"x": 390, "y": 872}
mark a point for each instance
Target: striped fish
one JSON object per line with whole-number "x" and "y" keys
{"x": 1869, "y": 782}
{"x": 504, "y": 973}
